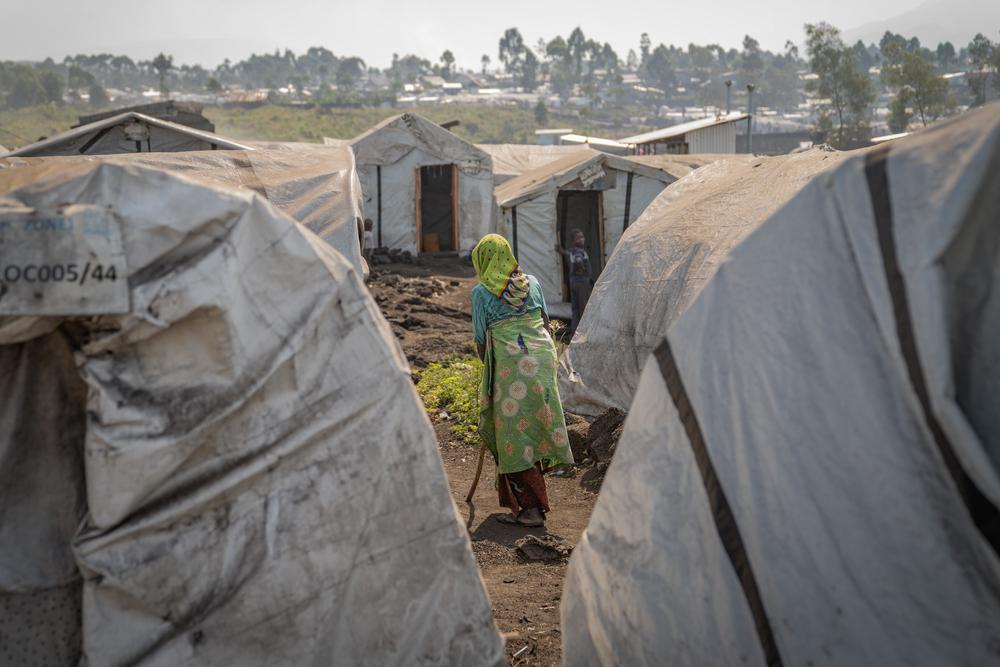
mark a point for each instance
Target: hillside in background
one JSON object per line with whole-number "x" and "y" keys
{"x": 935, "y": 21}
{"x": 478, "y": 124}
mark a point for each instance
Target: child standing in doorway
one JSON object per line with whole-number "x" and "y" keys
{"x": 580, "y": 282}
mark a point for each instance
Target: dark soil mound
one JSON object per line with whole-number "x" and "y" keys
{"x": 594, "y": 444}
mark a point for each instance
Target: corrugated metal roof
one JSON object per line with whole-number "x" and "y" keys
{"x": 889, "y": 137}
{"x": 594, "y": 141}
{"x": 683, "y": 128}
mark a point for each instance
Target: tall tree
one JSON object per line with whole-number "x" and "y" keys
{"x": 842, "y": 81}
{"x": 560, "y": 67}
{"x": 916, "y": 83}
{"x": 751, "y": 59}
{"x": 660, "y": 69}
{"x": 864, "y": 57}
{"x": 511, "y": 50}
{"x": 529, "y": 71}
{"x": 980, "y": 52}
{"x": 485, "y": 60}
{"x": 899, "y": 112}
{"x": 447, "y": 64}
{"x": 98, "y": 98}
{"x": 163, "y": 63}
{"x": 349, "y": 71}
{"x": 541, "y": 114}
{"x": 632, "y": 61}
{"x": 945, "y": 55}
{"x": 577, "y": 46}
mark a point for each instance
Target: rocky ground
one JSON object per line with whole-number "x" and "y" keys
{"x": 427, "y": 304}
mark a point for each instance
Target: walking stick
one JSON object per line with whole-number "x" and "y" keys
{"x": 475, "y": 483}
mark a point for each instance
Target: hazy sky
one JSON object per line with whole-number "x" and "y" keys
{"x": 206, "y": 31}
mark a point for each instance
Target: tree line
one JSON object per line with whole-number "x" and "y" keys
{"x": 909, "y": 78}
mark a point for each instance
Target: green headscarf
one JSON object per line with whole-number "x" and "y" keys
{"x": 498, "y": 271}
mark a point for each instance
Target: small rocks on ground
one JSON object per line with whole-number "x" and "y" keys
{"x": 546, "y": 547}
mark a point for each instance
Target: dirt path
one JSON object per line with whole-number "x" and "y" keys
{"x": 428, "y": 306}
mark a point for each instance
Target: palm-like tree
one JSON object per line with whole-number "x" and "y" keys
{"x": 163, "y": 64}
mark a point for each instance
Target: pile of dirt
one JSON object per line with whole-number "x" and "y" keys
{"x": 546, "y": 547}
{"x": 430, "y": 314}
{"x": 382, "y": 255}
{"x": 593, "y": 444}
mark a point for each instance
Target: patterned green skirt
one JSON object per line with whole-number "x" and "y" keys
{"x": 520, "y": 415}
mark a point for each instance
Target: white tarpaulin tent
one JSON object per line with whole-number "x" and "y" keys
{"x": 663, "y": 261}
{"x": 316, "y": 185}
{"x": 129, "y": 132}
{"x": 809, "y": 472}
{"x": 225, "y": 461}
{"x": 599, "y": 194}
{"x": 511, "y": 160}
{"x": 425, "y": 189}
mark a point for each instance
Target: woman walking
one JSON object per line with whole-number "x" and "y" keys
{"x": 521, "y": 419}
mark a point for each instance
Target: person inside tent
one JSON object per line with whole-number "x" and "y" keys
{"x": 521, "y": 419}
{"x": 580, "y": 282}
{"x": 368, "y": 244}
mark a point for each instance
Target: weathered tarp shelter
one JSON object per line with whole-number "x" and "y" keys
{"x": 512, "y": 160}
{"x": 183, "y": 113}
{"x": 211, "y": 451}
{"x": 425, "y": 189}
{"x": 129, "y": 132}
{"x": 663, "y": 261}
{"x": 809, "y": 472}
{"x": 599, "y": 194}
{"x": 315, "y": 185}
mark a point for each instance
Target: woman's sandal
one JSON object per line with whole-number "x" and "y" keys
{"x": 518, "y": 520}
{"x": 531, "y": 523}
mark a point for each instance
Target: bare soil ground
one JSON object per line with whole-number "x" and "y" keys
{"x": 428, "y": 306}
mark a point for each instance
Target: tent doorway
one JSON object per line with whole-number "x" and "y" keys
{"x": 437, "y": 213}
{"x": 581, "y": 209}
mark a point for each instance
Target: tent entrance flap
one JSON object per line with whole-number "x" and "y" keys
{"x": 581, "y": 209}
{"x": 436, "y": 203}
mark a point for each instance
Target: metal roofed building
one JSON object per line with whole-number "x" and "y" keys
{"x": 550, "y": 136}
{"x": 715, "y": 134}
{"x": 597, "y": 143}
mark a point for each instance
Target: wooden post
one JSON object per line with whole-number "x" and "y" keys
{"x": 513, "y": 222}
{"x": 600, "y": 230}
{"x": 454, "y": 208}
{"x": 378, "y": 172}
{"x": 417, "y": 220}
{"x": 628, "y": 201}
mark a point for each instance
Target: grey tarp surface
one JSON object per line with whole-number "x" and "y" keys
{"x": 396, "y": 148}
{"x": 789, "y": 403}
{"x": 236, "y": 472}
{"x": 129, "y": 132}
{"x": 662, "y": 262}
{"x": 316, "y": 185}
{"x": 510, "y": 160}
